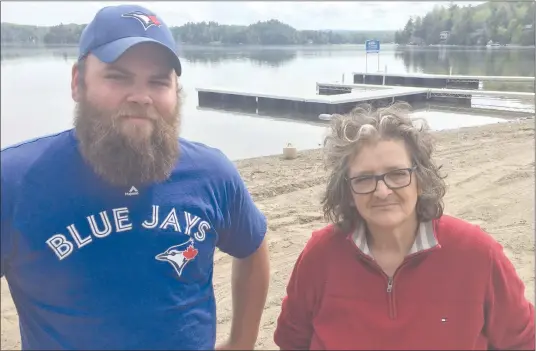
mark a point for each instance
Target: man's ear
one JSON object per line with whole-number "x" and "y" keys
{"x": 75, "y": 87}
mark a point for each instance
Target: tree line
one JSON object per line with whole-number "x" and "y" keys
{"x": 272, "y": 32}
{"x": 492, "y": 22}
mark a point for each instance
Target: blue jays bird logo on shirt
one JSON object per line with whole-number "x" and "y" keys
{"x": 146, "y": 20}
{"x": 179, "y": 255}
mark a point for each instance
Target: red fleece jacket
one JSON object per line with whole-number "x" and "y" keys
{"x": 463, "y": 293}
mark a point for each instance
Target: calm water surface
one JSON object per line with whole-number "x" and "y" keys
{"x": 36, "y": 88}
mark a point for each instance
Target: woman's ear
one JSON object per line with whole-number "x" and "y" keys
{"x": 419, "y": 188}
{"x": 351, "y": 201}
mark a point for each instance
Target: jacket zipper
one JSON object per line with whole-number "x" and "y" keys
{"x": 390, "y": 280}
{"x": 392, "y": 310}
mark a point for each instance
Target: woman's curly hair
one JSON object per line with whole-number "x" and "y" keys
{"x": 362, "y": 125}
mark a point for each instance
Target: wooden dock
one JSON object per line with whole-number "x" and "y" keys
{"x": 341, "y": 98}
{"x": 309, "y": 106}
{"x": 339, "y": 88}
{"x": 432, "y": 80}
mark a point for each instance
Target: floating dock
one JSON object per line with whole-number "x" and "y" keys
{"x": 309, "y": 106}
{"x": 376, "y": 89}
{"x": 340, "y": 88}
{"x": 432, "y": 80}
{"x": 458, "y": 97}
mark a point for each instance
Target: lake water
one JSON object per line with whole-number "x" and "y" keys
{"x": 36, "y": 88}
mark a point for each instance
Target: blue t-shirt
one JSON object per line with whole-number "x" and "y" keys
{"x": 91, "y": 266}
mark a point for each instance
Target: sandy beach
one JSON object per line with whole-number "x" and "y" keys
{"x": 491, "y": 183}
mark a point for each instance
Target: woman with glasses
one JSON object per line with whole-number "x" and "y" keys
{"x": 392, "y": 271}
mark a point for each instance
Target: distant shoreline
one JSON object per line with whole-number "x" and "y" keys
{"x": 312, "y": 46}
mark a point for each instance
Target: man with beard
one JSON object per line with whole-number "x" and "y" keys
{"x": 109, "y": 229}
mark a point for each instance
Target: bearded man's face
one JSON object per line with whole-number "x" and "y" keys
{"x": 128, "y": 115}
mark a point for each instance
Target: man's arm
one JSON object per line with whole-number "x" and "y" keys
{"x": 250, "y": 280}
{"x": 5, "y": 231}
{"x": 242, "y": 236}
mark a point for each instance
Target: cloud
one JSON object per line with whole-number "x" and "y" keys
{"x": 371, "y": 15}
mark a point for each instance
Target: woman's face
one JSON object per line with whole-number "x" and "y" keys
{"x": 384, "y": 207}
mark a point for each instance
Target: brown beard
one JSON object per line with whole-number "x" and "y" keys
{"x": 122, "y": 160}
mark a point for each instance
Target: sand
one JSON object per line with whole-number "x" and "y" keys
{"x": 491, "y": 183}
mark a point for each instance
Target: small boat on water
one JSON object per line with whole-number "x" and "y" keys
{"x": 492, "y": 45}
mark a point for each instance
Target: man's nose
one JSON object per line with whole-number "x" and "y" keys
{"x": 140, "y": 95}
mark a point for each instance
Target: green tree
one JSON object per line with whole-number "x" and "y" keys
{"x": 272, "y": 32}
{"x": 504, "y": 23}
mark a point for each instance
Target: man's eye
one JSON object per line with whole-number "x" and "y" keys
{"x": 115, "y": 76}
{"x": 161, "y": 83}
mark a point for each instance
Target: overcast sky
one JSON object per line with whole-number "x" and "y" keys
{"x": 369, "y": 15}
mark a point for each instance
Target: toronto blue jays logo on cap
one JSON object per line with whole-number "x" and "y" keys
{"x": 179, "y": 255}
{"x": 145, "y": 19}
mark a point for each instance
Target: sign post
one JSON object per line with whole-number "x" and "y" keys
{"x": 372, "y": 47}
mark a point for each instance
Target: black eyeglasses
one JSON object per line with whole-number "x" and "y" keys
{"x": 395, "y": 179}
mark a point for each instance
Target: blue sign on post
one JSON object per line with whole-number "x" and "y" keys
{"x": 372, "y": 46}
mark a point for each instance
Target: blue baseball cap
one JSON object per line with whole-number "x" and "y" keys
{"x": 115, "y": 29}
